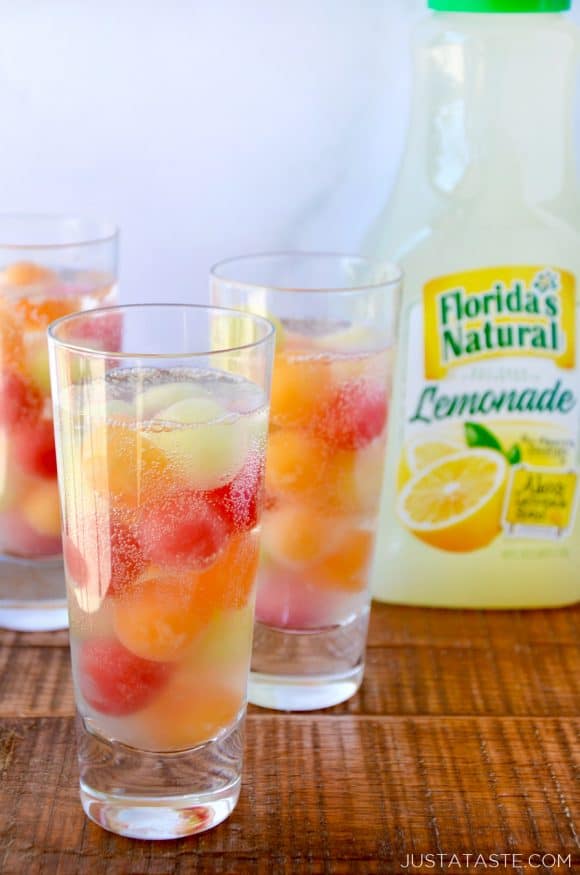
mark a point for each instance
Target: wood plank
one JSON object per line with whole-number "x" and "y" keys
{"x": 35, "y": 682}
{"x": 524, "y": 681}
{"x": 362, "y": 793}
{"x": 9, "y": 638}
{"x": 396, "y": 624}
{"x": 517, "y": 680}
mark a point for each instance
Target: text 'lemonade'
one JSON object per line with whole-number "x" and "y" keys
{"x": 31, "y": 297}
{"x": 323, "y": 478}
{"x": 161, "y": 550}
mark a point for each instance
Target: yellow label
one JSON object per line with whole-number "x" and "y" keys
{"x": 498, "y": 312}
{"x": 490, "y": 437}
{"x": 541, "y": 497}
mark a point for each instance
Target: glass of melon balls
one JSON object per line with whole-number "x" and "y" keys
{"x": 335, "y": 319}
{"x": 50, "y": 266}
{"x": 161, "y": 445}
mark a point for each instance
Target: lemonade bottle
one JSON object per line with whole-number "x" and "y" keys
{"x": 479, "y": 506}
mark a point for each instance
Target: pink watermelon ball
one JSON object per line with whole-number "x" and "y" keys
{"x": 182, "y": 528}
{"x": 115, "y": 681}
{"x": 353, "y": 416}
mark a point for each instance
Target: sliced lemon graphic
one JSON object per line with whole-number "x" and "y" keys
{"x": 422, "y": 452}
{"x": 455, "y": 503}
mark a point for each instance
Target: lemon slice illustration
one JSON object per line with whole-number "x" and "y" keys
{"x": 422, "y": 452}
{"x": 455, "y": 503}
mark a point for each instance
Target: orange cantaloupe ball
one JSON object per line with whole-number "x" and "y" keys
{"x": 160, "y": 616}
{"x": 27, "y": 273}
{"x": 11, "y": 341}
{"x": 298, "y": 384}
{"x": 123, "y": 463}
{"x": 353, "y": 480}
{"x": 347, "y": 567}
{"x": 295, "y": 463}
{"x": 41, "y": 508}
{"x": 228, "y": 582}
{"x": 39, "y": 312}
{"x": 192, "y": 709}
{"x": 296, "y": 536}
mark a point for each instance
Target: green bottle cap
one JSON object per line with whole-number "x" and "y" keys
{"x": 500, "y": 5}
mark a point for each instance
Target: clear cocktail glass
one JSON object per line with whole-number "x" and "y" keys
{"x": 49, "y": 266}
{"x": 336, "y": 319}
{"x": 161, "y": 444}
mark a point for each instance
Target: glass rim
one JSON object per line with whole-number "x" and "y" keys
{"x": 74, "y": 346}
{"x": 110, "y": 231}
{"x": 307, "y": 254}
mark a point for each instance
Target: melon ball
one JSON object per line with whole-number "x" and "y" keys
{"x": 225, "y": 644}
{"x": 27, "y": 273}
{"x": 37, "y": 365}
{"x": 123, "y": 464}
{"x": 41, "y": 508}
{"x": 13, "y": 480}
{"x": 296, "y": 463}
{"x": 154, "y": 399}
{"x": 206, "y": 447}
{"x": 191, "y": 710}
{"x": 347, "y": 569}
{"x": 161, "y": 617}
{"x": 11, "y": 339}
{"x": 298, "y": 385}
{"x": 286, "y": 599}
{"x": 20, "y": 539}
{"x": 297, "y": 536}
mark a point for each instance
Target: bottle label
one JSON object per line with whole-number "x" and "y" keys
{"x": 490, "y": 435}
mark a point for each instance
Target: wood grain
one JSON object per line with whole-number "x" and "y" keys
{"x": 465, "y": 738}
{"x": 377, "y": 789}
{"x": 9, "y": 638}
{"x": 401, "y": 679}
{"x": 394, "y": 624}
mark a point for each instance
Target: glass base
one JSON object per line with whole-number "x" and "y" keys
{"x": 304, "y": 671}
{"x": 159, "y": 817}
{"x": 32, "y": 594}
{"x": 159, "y": 795}
{"x": 296, "y": 693}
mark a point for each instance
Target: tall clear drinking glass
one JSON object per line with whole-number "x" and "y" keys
{"x": 336, "y": 322}
{"x": 49, "y": 266}
{"x": 161, "y": 444}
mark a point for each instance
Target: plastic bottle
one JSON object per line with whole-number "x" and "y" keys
{"x": 479, "y": 504}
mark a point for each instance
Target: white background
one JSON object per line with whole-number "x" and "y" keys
{"x": 205, "y": 128}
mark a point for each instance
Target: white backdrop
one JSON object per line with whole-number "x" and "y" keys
{"x": 205, "y": 128}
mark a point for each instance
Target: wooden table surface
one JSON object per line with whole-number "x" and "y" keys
{"x": 464, "y": 739}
